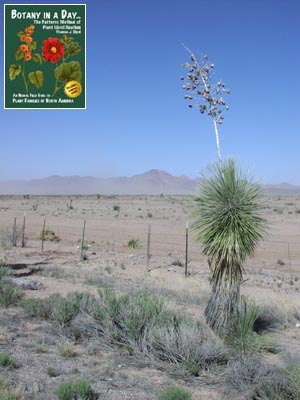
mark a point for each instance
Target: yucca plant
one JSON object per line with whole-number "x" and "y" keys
{"x": 228, "y": 223}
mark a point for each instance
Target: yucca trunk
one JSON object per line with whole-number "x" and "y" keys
{"x": 224, "y": 299}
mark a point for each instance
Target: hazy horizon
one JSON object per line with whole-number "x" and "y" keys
{"x": 112, "y": 177}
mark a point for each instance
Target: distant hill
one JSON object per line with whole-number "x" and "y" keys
{"x": 152, "y": 182}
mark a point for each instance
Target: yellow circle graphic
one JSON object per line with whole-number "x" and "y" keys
{"x": 72, "y": 89}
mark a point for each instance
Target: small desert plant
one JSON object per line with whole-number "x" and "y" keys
{"x": 248, "y": 371}
{"x": 116, "y": 208}
{"x": 79, "y": 390}
{"x": 242, "y": 335}
{"x": 285, "y": 385}
{"x": 68, "y": 350}
{"x": 177, "y": 263}
{"x": 149, "y": 215}
{"x": 134, "y": 244}
{"x": 187, "y": 343}
{"x": 58, "y": 308}
{"x": 10, "y": 394}
{"x": 9, "y": 295}
{"x": 4, "y": 271}
{"x": 6, "y": 361}
{"x": 52, "y": 372}
{"x": 175, "y": 393}
{"x": 41, "y": 348}
{"x": 48, "y": 234}
{"x": 70, "y": 205}
{"x": 280, "y": 262}
{"x": 39, "y": 308}
{"x": 35, "y": 206}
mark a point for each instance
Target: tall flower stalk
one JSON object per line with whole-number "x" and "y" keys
{"x": 203, "y": 94}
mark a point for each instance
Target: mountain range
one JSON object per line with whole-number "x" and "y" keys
{"x": 153, "y": 182}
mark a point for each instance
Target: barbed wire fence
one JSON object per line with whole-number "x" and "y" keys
{"x": 155, "y": 243}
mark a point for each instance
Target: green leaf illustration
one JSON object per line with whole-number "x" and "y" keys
{"x": 33, "y": 45}
{"x": 36, "y": 78}
{"x": 37, "y": 58}
{"x": 19, "y": 55}
{"x": 68, "y": 71}
{"x": 71, "y": 46}
{"x": 14, "y": 71}
{"x": 21, "y": 33}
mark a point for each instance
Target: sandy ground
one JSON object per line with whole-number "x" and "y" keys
{"x": 271, "y": 277}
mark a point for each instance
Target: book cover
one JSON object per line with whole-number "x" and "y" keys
{"x": 44, "y": 56}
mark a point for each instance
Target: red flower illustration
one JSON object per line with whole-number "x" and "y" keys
{"x": 52, "y": 50}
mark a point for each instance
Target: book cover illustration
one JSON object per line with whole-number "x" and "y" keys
{"x": 45, "y": 56}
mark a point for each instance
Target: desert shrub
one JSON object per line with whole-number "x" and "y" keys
{"x": 283, "y": 383}
{"x": 9, "y": 295}
{"x": 188, "y": 343}
{"x": 39, "y": 308}
{"x": 292, "y": 375}
{"x": 248, "y": 371}
{"x": 129, "y": 317}
{"x": 242, "y": 336}
{"x": 58, "y": 308}
{"x": 8, "y": 235}
{"x": 52, "y": 372}
{"x": 68, "y": 350}
{"x": 116, "y": 208}
{"x": 134, "y": 244}
{"x": 175, "y": 393}
{"x": 139, "y": 322}
{"x": 79, "y": 390}
{"x": 48, "y": 234}
{"x": 64, "y": 309}
{"x": 6, "y": 361}
{"x": 280, "y": 262}
{"x": 4, "y": 271}
{"x": 10, "y": 394}
{"x": 178, "y": 263}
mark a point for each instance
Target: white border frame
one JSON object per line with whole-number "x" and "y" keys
{"x": 85, "y": 67}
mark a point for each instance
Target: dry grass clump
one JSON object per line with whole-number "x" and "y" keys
{"x": 262, "y": 381}
{"x": 9, "y": 295}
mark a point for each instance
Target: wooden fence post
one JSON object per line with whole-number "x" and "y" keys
{"x": 82, "y": 241}
{"x": 14, "y": 237}
{"x": 148, "y": 249}
{"x": 289, "y": 255}
{"x": 43, "y": 234}
{"x": 23, "y": 230}
{"x": 186, "y": 248}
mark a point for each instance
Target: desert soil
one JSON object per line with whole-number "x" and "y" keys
{"x": 271, "y": 277}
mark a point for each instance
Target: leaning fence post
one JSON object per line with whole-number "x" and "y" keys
{"x": 82, "y": 241}
{"x": 186, "y": 248}
{"x": 148, "y": 249}
{"x": 43, "y": 234}
{"x": 23, "y": 230}
{"x": 14, "y": 238}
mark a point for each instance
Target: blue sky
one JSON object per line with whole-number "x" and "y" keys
{"x": 136, "y": 118}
